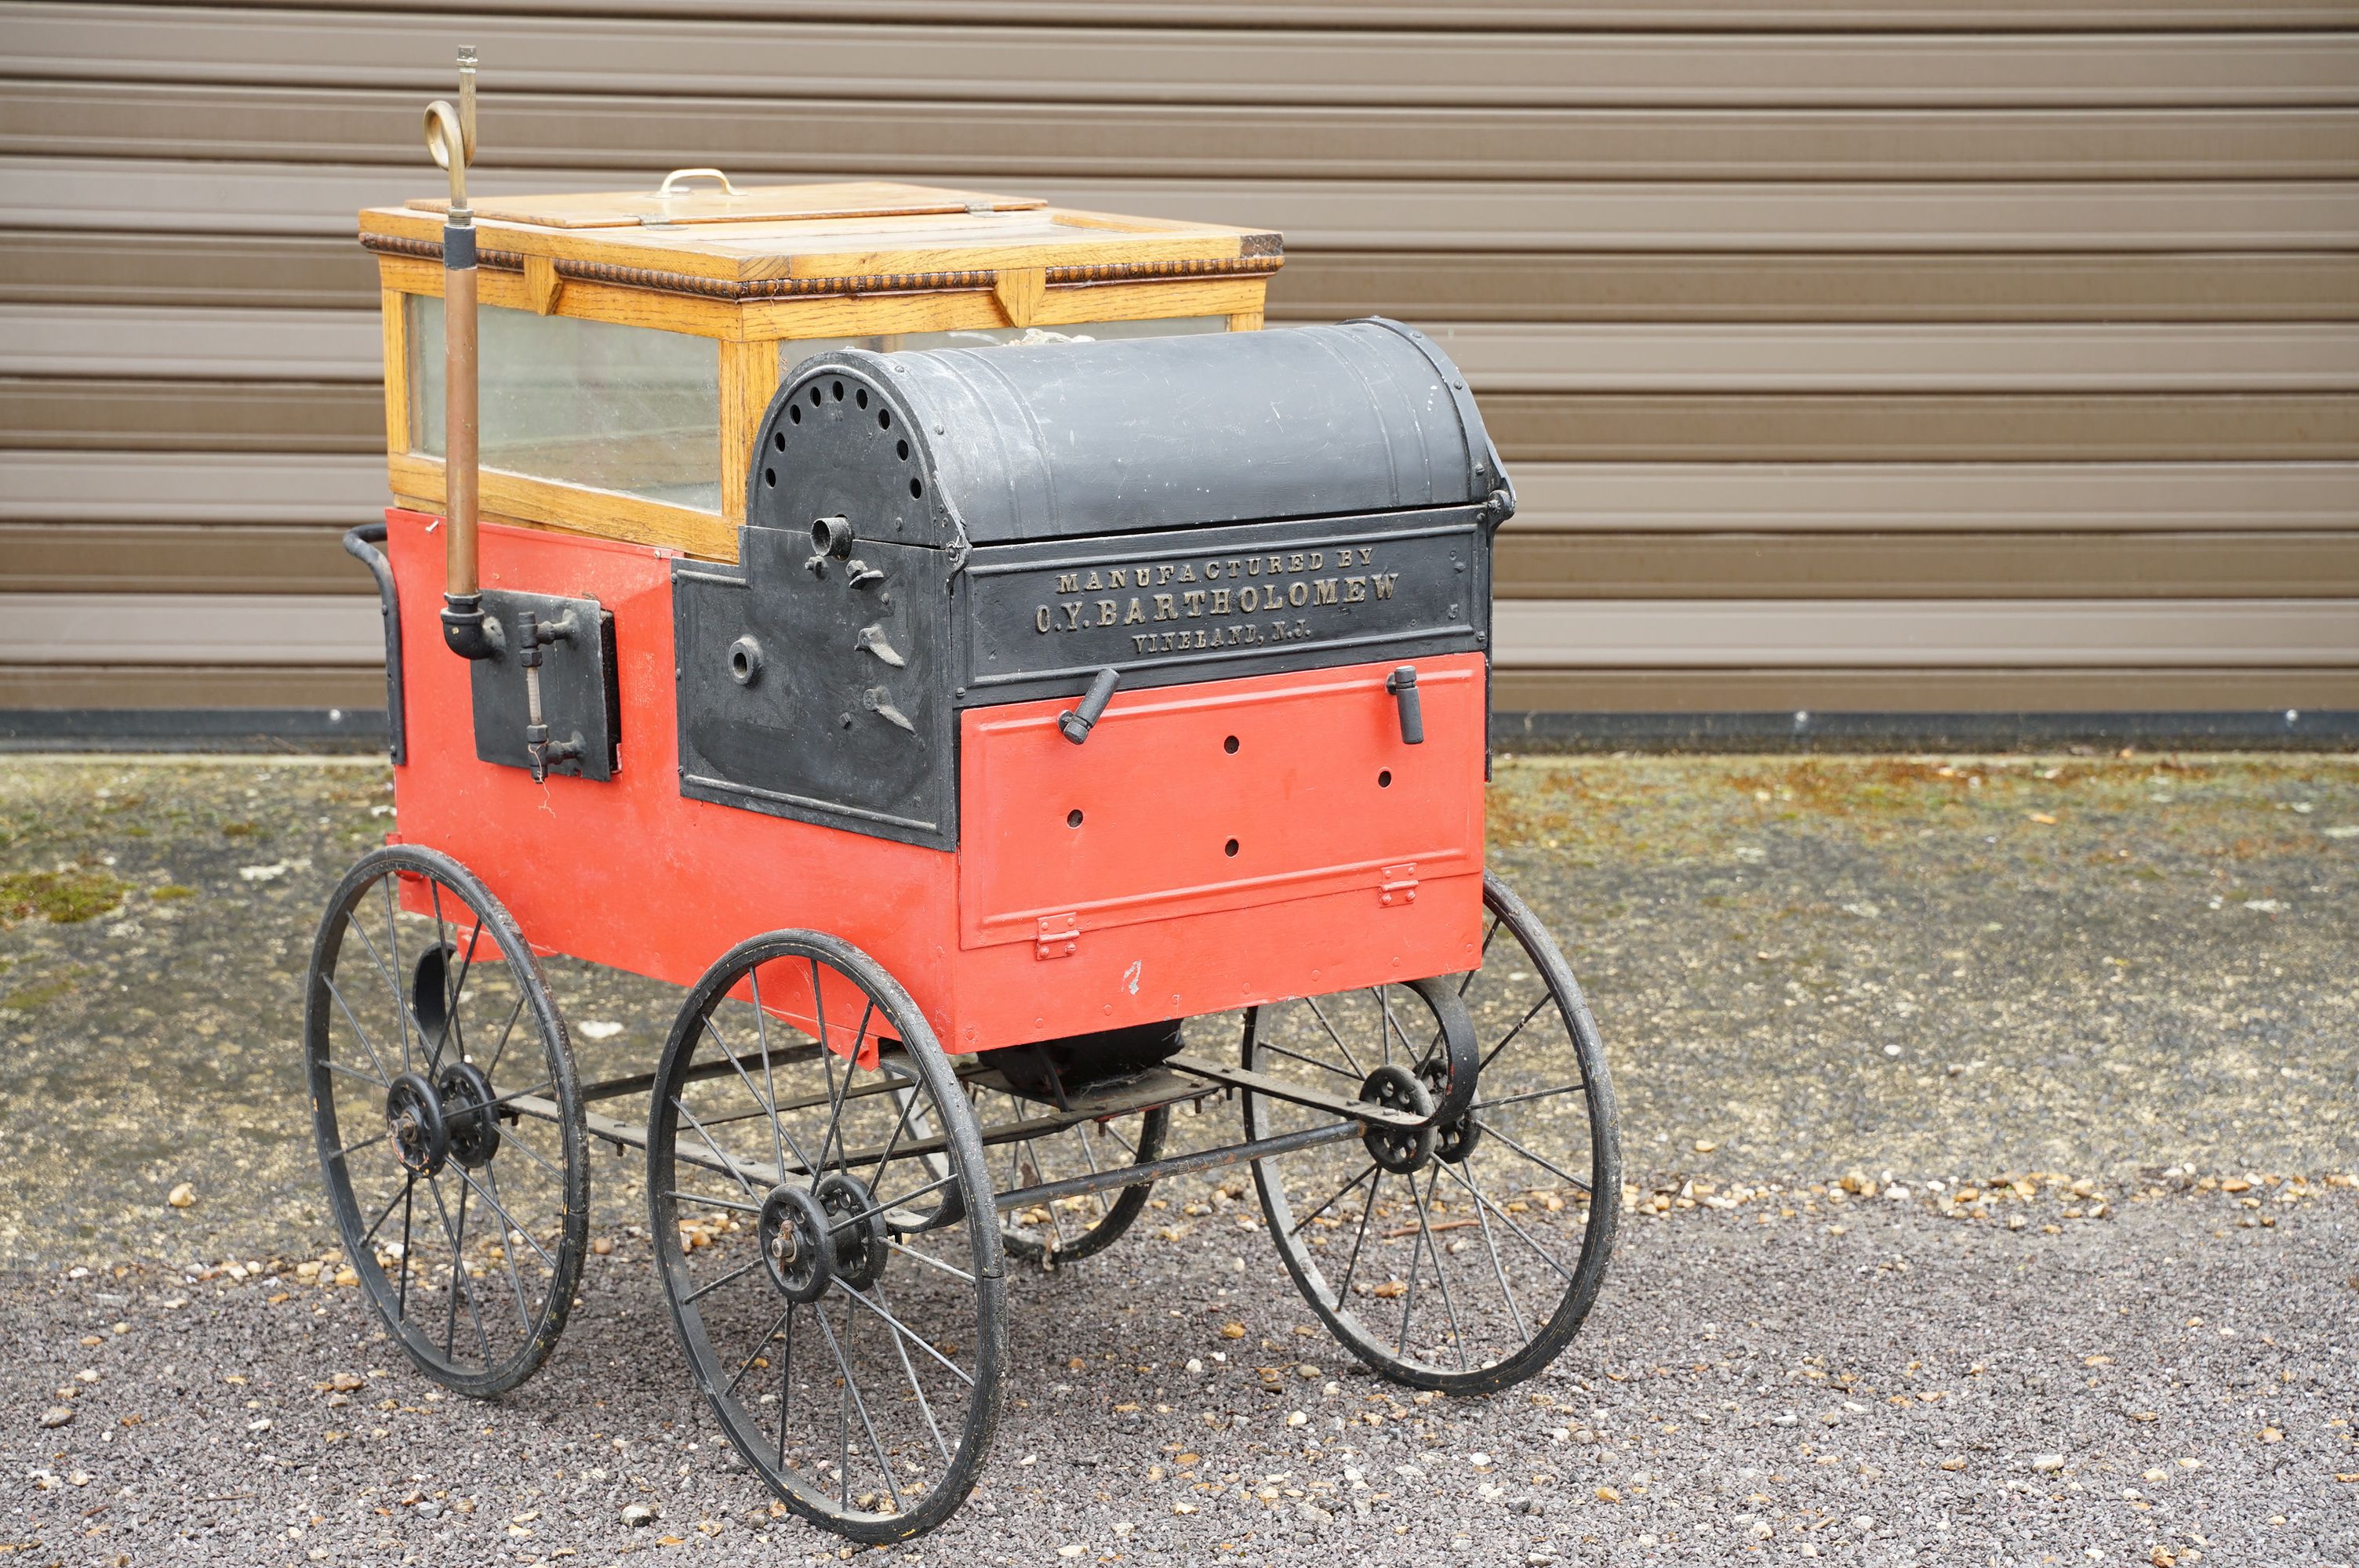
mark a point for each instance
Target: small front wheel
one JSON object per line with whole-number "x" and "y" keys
{"x": 448, "y": 1118}
{"x": 826, "y": 1234}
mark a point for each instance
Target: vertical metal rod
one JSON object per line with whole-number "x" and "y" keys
{"x": 451, "y": 137}
{"x": 459, "y": 335}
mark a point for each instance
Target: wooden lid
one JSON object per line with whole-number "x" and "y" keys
{"x": 685, "y": 200}
{"x": 809, "y": 238}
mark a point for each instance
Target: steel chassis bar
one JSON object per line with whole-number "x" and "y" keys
{"x": 1262, "y": 1084}
{"x": 644, "y": 1083}
{"x": 1178, "y": 1165}
{"x": 1146, "y": 1092}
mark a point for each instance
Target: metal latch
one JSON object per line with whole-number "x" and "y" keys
{"x": 1399, "y": 884}
{"x": 1059, "y": 936}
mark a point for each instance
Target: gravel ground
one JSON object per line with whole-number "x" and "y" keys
{"x": 2078, "y": 1033}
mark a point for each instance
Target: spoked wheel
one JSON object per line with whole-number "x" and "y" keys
{"x": 1066, "y": 1231}
{"x": 1463, "y": 1258}
{"x": 825, "y": 1232}
{"x": 448, "y": 1118}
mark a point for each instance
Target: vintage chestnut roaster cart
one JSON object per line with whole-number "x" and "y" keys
{"x": 1026, "y": 742}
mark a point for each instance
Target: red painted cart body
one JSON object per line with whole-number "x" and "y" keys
{"x": 1214, "y": 846}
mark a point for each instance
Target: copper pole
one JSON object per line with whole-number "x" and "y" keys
{"x": 451, "y": 137}
{"x": 459, "y": 428}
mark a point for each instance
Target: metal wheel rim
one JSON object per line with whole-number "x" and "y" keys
{"x": 555, "y": 1228}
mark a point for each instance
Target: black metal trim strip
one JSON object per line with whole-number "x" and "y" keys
{"x": 2287, "y": 730}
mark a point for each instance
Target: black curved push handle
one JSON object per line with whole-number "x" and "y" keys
{"x": 1402, "y": 683}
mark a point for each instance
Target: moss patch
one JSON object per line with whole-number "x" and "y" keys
{"x": 64, "y": 897}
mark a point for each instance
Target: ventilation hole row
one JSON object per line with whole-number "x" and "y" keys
{"x": 860, "y": 396}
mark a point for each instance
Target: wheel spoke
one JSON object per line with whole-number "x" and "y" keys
{"x": 393, "y": 945}
{"x": 1523, "y": 1098}
{"x": 1433, "y": 1251}
{"x": 715, "y": 1203}
{"x": 852, "y": 1387}
{"x": 370, "y": 1234}
{"x": 925, "y": 1407}
{"x": 1490, "y": 1246}
{"x": 1503, "y": 1218}
{"x": 501, "y": 1209}
{"x": 510, "y": 1140}
{"x": 441, "y": 940}
{"x": 786, "y": 1381}
{"x": 1385, "y": 1024}
{"x": 728, "y": 1165}
{"x": 346, "y": 1009}
{"x": 1312, "y": 1004}
{"x": 1331, "y": 1203}
{"x": 769, "y": 1101}
{"x": 510, "y": 1229}
{"x": 403, "y": 1293}
{"x": 756, "y": 1354}
{"x": 1312, "y": 1061}
{"x": 335, "y": 1066}
{"x": 507, "y": 1029}
{"x": 458, "y": 1265}
{"x": 950, "y": 1268}
{"x": 1546, "y": 997}
{"x": 460, "y": 1278}
{"x": 739, "y": 1272}
{"x": 360, "y": 1143}
{"x": 1563, "y": 1175}
{"x": 1468, "y": 978}
{"x": 827, "y": 1060}
{"x": 455, "y": 1032}
{"x": 1367, "y": 1212}
{"x": 904, "y": 1331}
{"x": 900, "y": 1124}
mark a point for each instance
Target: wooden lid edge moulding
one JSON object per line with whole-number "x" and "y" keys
{"x": 1255, "y": 263}
{"x": 840, "y": 238}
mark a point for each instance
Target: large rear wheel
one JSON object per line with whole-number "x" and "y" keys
{"x": 1464, "y": 1259}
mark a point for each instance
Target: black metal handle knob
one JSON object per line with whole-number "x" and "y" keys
{"x": 1077, "y": 722}
{"x": 1402, "y": 683}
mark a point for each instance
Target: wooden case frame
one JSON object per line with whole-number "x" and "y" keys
{"x": 1129, "y": 269}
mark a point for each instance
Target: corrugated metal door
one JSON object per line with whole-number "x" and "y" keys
{"x": 1911, "y": 356}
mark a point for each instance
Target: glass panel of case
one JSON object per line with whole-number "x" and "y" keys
{"x": 593, "y": 403}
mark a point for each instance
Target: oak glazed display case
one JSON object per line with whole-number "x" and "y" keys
{"x": 1018, "y": 700}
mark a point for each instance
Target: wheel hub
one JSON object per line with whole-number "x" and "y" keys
{"x": 1402, "y": 1151}
{"x": 1454, "y": 1140}
{"x": 793, "y": 1231}
{"x": 413, "y": 1114}
{"x": 469, "y": 1114}
{"x": 858, "y": 1227}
